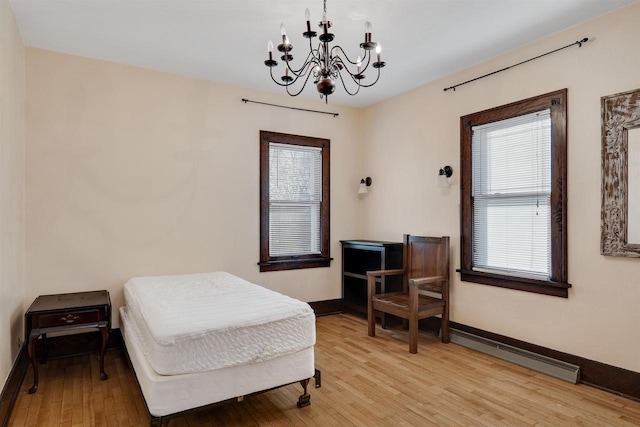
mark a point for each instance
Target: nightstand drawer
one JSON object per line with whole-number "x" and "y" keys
{"x": 69, "y": 318}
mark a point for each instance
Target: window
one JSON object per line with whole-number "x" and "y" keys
{"x": 514, "y": 228}
{"x": 294, "y": 202}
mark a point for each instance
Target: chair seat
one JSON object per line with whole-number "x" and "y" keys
{"x": 400, "y": 300}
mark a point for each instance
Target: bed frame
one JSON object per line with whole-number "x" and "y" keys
{"x": 163, "y": 420}
{"x": 303, "y": 400}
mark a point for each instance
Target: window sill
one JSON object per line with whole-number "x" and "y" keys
{"x": 545, "y": 287}
{"x": 294, "y": 264}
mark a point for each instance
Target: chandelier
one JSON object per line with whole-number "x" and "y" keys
{"x": 326, "y": 64}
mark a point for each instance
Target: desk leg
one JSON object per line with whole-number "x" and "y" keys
{"x": 33, "y": 338}
{"x": 45, "y": 350}
{"x": 105, "y": 337}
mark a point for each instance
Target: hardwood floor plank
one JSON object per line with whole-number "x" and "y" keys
{"x": 366, "y": 382}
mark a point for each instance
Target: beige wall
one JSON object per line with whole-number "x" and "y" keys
{"x": 408, "y": 138}
{"x": 12, "y": 228}
{"x": 134, "y": 172}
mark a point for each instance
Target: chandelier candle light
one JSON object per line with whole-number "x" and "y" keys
{"x": 326, "y": 64}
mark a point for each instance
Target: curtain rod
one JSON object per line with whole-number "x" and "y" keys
{"x": 579, "y": 43}
{"x": 290, "y": 108}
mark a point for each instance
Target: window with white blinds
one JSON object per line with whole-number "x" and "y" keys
{"x": 294, "y": 202}
{"x": 295, "y": 197}
{"x": 513, "y": 195}
{"x": 511, "y": 190}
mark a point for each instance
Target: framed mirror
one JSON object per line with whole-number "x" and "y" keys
{"x": 620, "y": 215}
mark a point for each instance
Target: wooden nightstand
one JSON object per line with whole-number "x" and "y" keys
{"x": 66, "y": 312}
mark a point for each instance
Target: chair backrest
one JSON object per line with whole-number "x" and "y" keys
{"x": 427, "y": 257}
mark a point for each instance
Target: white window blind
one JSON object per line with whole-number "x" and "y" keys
{"x": 295, "y": 196}
{"x": 511, "y": 191}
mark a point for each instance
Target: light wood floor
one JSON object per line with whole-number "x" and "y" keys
{"x": 365, "y": 382}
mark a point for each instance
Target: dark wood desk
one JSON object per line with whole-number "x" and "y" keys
{"x": 66, "y": 312}
{"x": 360, "y": 256}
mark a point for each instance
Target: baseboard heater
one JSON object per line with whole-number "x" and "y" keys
{"x": 535, "y": 362}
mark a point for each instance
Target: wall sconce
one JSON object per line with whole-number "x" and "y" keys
{"x": 445, "y": 175}
{"x": 364, "y": 183}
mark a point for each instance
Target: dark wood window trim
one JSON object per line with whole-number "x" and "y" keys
{"x": 269, "y": 263}
{"x": 557, "y": 285}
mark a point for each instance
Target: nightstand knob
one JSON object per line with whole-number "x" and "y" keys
{"x": 69, "y": 318}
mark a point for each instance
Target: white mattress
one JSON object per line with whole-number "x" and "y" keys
{"x": 200, "y": 322}
{"x": 168, "y": 394}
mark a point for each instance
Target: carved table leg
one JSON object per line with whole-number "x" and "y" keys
{"x": 45, "y": 350}
{"x": 103, "y": 349}
{"x": 33, "y": 337}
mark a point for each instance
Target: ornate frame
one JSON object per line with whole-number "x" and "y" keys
{"x": 620, "y": 112}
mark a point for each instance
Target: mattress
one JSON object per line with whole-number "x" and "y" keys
{"x": 168, "y": 394}
{"x": 201, "y": 322}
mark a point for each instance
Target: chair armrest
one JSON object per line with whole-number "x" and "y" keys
{"x": 385, "y": 272}
{"x": 425, "y": 280}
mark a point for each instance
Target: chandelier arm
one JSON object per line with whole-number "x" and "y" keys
{"x": 301, "y": 89}
{"x": 338, "y": 47}
{"x": 338, "y": 65}
{"x": 371, "y": 84}
{"x": 344, "y": 85}
{"x": 367, "y": 57}
{"x": 274, "y": 80}
{"x": 338, "y": 59}
{"x": 311, "y": 49}
{"x": 291, "y": 83}
{"x": 299, "y": 72}
{"x": 307, "y": 67}
{"x": 315, "y": 54}
{"x": 297, "y": 75}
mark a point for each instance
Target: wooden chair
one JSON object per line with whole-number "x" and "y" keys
{"x": 425, "y": 287}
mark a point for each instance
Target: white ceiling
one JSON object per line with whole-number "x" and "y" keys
{"x": 225, "y": 40}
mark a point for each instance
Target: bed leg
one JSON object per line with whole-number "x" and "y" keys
{"x": 304, "y": 399}
{"x": 317, "y": 376}
{"x": 159, "y": 421}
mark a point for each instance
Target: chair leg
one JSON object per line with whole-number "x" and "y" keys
{"x": 371, "y": 320}
{"x": 413, "y": 333}
{"x": 445, "y": 329}
{"x": 371, "y": 316}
